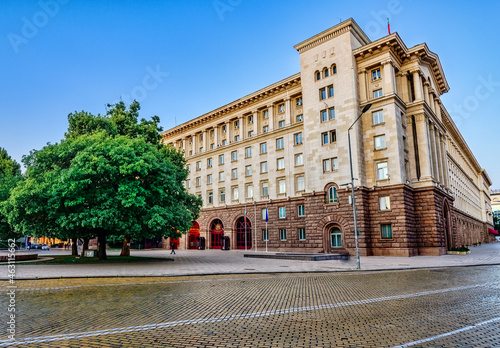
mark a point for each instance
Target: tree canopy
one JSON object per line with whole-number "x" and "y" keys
{"x": 109, "y": 176}
{"x": 10, "y": 174}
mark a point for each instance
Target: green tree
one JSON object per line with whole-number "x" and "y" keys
{"x": 10, "y": 175}
{"x": 112, "y": 186}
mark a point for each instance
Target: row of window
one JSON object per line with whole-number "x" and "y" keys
{"x": 325, "y": 72}
{"x": 335, "y": 234}
{"x": 326, "y": 92}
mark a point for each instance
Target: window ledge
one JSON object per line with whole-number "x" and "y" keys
{"x": 378, "y": 124}
{"x": 381, "y": 149}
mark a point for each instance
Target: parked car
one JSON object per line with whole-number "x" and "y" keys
{"x": 44, "y": 247}
{"x": 34, "y": 246}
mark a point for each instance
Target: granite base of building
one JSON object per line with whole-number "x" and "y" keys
{"x": 417, "y": 222}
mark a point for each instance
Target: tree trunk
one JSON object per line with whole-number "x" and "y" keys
{"x": 85, "y": 245}
{"x": 101, "y": 245}
{"x": 74, "y": 246}
{"x": 126, "y": 245}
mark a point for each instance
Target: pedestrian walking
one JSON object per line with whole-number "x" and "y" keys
{"x": 172, "y": 246}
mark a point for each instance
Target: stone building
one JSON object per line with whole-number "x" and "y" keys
{"x": 281, "y": 154}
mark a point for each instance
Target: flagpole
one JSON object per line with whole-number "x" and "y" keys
{"x": 255, "y": 227}
{"x": 245, "y": 227}
{"x": 267, "y": 232}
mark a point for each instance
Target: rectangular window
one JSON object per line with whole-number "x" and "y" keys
{"x": 234, "y": 156}
{"x": 382, "y": 171}
{"x": 188, "y": 184}
{"x": 265, "y": 129}
{"x": 263, "y": 148}
{"x": 301, "y": 210}
{"x": 248, "y": 152}
{"x": 222, "y": 176}
{"x": 235, "y": 193}
{"x": 331, "y": 113}
{"x": 198, "y": 165}
{"x": 299, "y": 161}
{"x": 330, "y": 91}
{"x": 249, "y": 191}
{"x": 335, "y": 165}
{"x": 333, "y": 136}
{"x": 300, "y": 118}
{"x": 265, "y": 113}
{"x": 282, "y": 234}
{"x": 376, "y": 74}
{"x": 250, "y": 134}
{"x": 300, "y": 183}
{"x": 248, "y": 170}
{"x": 279, "y": 144}
{"x": 198, "y": 181}
{"x": 224, "y": 142}
{"x": 234, "y": 173}
{"x": 236, "y": 124}
{"x": 301, "y": 233}
{"x": 385, "y": 203}
{"x": 201, "y": 149}
{"x": 281, "y": 163}
{"x": 386, "y": 231}
{"x": 210, "y": 197}
{"x": 236, "y": 138}
{"x": 379, "y": 142}
{"x": 324, "y": 138}
{"x": 298, "y": 139}
{"x": 209, "y": 178}
{"x": 209, "y": 162}
{"x": 212, "y": 146}
{"x": 281, "y": 108}
{"x": 281, "y": 186}
{"x": 265, "y": 235}
{"x": 222, "y": 195}
{"x": 223, "y": 129}
{"x": 322, "y": 94}
{"x": 264, "y": 214}
{"x": 282, "y": 212}
{"x": 298, "y": 101}
{"x": 221, "y": 159}
{"x": 377, "y": 93}
{"x": 250, "y": 119}
{"x": 326, "y": 165}
{"x": 212, "y": 133}
{"x": 378, "y": 117}
{"x": 323, "y": 116}
{"x": 263, "y": 167}
{"x": 282, "y": 124}
{"x": 201, "y": 137}
{"x": 265, "y": 189}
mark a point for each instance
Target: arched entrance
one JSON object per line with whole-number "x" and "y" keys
{"x": 194, "y": 235}
{"x": 447, "y": 226}
{"x": 335, "y": 237}
{"x": 216, "y": 233}
{"x": 243, "y": 233}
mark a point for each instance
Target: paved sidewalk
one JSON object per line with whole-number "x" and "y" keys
{"x": 199, "y": 262}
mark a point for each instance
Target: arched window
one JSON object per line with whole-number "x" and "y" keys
{"x": 334, "y": 68}
{"x": 326, "y": 72}
{"x": 335, "y": 237}
{"x": 332, "y": 195}
{"x": 318, "y": 75}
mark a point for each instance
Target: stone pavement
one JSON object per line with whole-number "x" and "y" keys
{"x": 203, "y": 262}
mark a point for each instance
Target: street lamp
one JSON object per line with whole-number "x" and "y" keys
{"x": 358, "y": 263}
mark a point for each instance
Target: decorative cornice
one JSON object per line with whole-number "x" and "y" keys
{"x": 278, "y": 87}
{"x": 346, "y": 26}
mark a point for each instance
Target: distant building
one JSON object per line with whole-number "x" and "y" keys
{"x": 495, "y": 202}
{"x": 281, "y": 154}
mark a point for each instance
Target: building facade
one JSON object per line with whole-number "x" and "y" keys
{"x": 273, "y": 167}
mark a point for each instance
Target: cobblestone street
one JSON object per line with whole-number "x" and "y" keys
{"x": 447, "y": 307}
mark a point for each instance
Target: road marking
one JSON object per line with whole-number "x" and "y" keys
{"x": 230, "y": 317}
{"x": 449, "y": 333}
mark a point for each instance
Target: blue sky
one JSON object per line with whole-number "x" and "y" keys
{"x": 181, "y": 59}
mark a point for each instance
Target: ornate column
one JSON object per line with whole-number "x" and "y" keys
{"x": 216, "y": 136}
{"x": 271, "y": 117}
{"x": 256, "y": 123}
{"x": 288, "y": 111}
{"x": 444, "y": 159}
{"x": 362, "y": 85}
{"x": 440, "y": 155}
{"x": 426, "y": 92}
{"x": 242, "y": 127}
{"x": 432, "y": 138}
{"x": 389, "y": 87}
{"x": 229, "y": 133}
{"x": 183, "y": 142}
{"x": 437, "y": 108}
{"x": 431, "y": 102}
{"x": 404, "y": 88}
{"x": 417, "y": 85}
{"x": 205, "y": 140}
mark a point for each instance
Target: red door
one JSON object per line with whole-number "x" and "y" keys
{"x": 216, "y": 233}
{"x": 243, "y": 233}
{"x": 194, "y": 234}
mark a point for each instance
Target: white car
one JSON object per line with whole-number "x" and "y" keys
{"x": 45, "y": 247}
